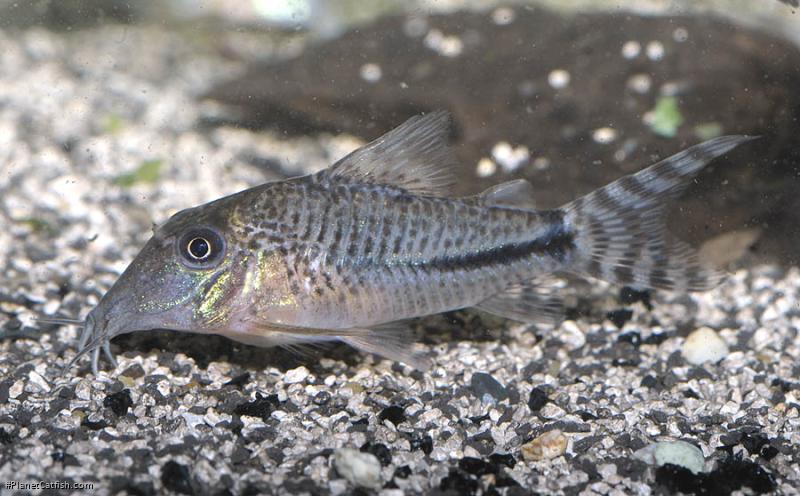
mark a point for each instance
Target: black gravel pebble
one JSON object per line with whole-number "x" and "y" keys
{"x": 4, "y": 387}
{"x": 394, "y": 414}
{"x": 768, "y": 452}
{"x": 537, "y": 399}
{"x": 483, "y": 384}
{"x": 730, "y": 475}
{"x": 424, "y": 443}
{"x": 476, "y": 466}
{"x": 119, "y": 402}
{"x": 649, "y": 381}
{"x": 632, "y": 337}
{"x": 628, "y": 296}
{"x": 402, "y": 472}
{"x": 380, "y": 451}
{"x": 94, "y": 425}
{"x": 239, "y": 381}
{"x": 135, "y": 371}
{"x": 459, "y": 483}
{"x": 656, "y": 338}
{"x": 754, "y": 441}
{"x": 261, "y": 407}
{"x": 176, "y": 477}
{"x": 620, "y": 317}
{"x": 65, "y": 459}
{"x": 506, "y": 459}
{"x": 5, "y": 437}
{"x": 322, "y": 398}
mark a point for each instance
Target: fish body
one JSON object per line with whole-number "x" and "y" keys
{"x": 350, "y": 252}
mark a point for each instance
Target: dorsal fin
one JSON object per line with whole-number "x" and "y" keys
{"x": 514, "y": 194}
{"x": 413, "y": 156}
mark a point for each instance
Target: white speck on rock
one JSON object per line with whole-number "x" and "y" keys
{"x": 704, "y": 345}
{"x": 558, "y": 78}
{"x": 508, "y": 157}
{"x": 448, "y": 46}
{"x": 503, "y": 16}
{"x": 655, "y": 50}
{"x": 541, "y": 163}
{"x": 604, "y": 135}
{"x": 486, "y": 167}
{"x": 680, "y": 35}
{"x": 371, "y": 73}
{"x": 640, "y": 83}
{"x": 361, "y": 469}
{"x": 631, "y": 49}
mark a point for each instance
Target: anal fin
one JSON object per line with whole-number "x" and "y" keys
{"x": 535, "y": 301}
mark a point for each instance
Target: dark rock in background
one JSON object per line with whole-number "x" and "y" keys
{"x": 497, "y": 90}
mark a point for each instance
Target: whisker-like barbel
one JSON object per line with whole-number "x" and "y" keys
{"x": 55, "y": 320}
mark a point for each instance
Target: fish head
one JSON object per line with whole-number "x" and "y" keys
{"x": 181, "y": 280}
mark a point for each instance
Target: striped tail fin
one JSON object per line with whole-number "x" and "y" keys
{"x": 620, "y": 229}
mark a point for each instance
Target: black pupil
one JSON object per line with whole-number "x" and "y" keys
{"x": 199, "y": 248}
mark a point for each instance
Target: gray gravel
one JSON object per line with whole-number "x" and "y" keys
{"x": 200, "y": 415}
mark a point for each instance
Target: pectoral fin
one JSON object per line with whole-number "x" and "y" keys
{"x": 394, "y": 341}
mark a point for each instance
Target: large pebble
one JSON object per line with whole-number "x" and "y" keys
{"x": 361, "y": 469}
{"x": 678, "y": 453}
{"x": 549, "y": 445}
{"x": 295, "y": 376}
{"x": 704, "y": 345}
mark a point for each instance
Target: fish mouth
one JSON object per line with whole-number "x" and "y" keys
{"x": 93, "y": 339}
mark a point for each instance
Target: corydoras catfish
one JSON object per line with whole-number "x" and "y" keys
{"x": 350, "y": 253}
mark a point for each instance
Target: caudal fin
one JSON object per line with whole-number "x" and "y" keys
{"x": 620, "y": 229}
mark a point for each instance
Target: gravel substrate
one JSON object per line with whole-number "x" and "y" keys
{"x": 99, "y": 139}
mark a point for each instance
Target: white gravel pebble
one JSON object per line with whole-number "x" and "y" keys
{"x": 361, "y": 469}
{"x": 295, "y": 376}
{"x": 704, "y": 345}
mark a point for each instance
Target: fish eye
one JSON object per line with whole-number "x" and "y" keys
{"x": 201, "y": 248}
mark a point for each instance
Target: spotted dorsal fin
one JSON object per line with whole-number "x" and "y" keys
{"x": 413, "y": 156}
